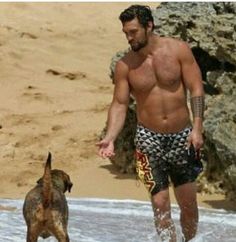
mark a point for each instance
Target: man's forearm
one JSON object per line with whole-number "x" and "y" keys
{"x": 115, "y": 121}
{"x": 197, "y": 107}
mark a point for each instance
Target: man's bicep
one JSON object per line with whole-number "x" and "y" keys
{"x": 190, "y": 70}
{"x": 193, "y": 81}
{"x": 121, "y": 90}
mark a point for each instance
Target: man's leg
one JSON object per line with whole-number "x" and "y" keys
{"x": 162, "y": 216}
{"x": 186, "y": 196}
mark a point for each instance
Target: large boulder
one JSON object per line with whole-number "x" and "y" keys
{"x": 210, "y": 30}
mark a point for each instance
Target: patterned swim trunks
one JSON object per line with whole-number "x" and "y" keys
{"x": 163, "y": 156}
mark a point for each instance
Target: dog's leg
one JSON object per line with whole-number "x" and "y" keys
{"x": 62, "y": 237}
{"x": 32, "y": 234}
{"x": 61, "y": 234}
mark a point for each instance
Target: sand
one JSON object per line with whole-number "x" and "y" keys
{"x": 55, "y": 92}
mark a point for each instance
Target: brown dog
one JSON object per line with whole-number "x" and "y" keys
{"x": 45, "y": 208}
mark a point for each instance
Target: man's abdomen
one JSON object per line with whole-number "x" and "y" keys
{"x": 166, "y": 122}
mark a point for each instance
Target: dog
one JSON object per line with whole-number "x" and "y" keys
{"x": 45, "y": 208}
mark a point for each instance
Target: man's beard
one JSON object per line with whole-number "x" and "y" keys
{"x": 138, "y": 45}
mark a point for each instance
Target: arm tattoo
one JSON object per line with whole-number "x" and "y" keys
{"x": 197, "y": 106}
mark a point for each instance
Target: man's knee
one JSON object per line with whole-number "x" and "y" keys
{"x": 161, "y": 206}
{"x": 161, "y": 201}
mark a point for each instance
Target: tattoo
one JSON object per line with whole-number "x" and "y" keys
{"x": 197, "y": 106}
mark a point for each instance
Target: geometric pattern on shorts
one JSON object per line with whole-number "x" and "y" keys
{"x": 164, "y": 148}
{"x": 161, "y": 158}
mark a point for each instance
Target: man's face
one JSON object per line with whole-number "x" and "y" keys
{"x": 136, "y": 34}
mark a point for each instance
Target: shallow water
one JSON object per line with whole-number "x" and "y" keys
{"x": 103, "y": 220}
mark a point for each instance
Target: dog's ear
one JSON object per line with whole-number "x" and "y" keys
{"x": 68, "y": 185}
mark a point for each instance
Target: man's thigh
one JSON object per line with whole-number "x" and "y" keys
{"x": 186, "y": 195}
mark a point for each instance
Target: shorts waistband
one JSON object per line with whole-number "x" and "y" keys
{"x": 142, "y": 127}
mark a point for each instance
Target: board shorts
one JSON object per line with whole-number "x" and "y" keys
{"x": 163, "y": 157}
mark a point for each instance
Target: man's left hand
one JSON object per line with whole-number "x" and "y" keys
{"x": 195, "y": 138}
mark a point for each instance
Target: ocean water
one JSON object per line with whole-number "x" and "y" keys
{"x": 104, "y": 220}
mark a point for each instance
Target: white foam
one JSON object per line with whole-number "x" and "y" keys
{"x": 110, "y": 220}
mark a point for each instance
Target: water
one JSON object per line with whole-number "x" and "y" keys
{"x": 103, "y": 220}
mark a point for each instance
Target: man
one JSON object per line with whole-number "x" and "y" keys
{"x": 158, "y": 71}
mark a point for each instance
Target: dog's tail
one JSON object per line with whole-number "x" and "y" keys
{"x": 47, "y": 183}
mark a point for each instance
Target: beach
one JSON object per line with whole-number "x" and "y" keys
{"x": 55, "y": 93}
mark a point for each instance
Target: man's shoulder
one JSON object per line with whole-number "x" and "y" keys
{"x": 126, "y": 59}
{"x": 172, "y": 41}
{"x": 122, "y": 65}
{"x": 174, "y": 45}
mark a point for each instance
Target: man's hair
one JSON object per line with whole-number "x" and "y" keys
{"x": 142, "y": 13}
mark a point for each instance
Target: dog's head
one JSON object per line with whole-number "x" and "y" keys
{"x": 60, "y": 180}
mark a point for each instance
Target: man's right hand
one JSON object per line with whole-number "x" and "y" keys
{"x": 106, "y": 148}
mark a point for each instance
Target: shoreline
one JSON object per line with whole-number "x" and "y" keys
{"x": 109, "y": 183}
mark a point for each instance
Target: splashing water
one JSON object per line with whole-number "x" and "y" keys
{"x": 104, "y": 220}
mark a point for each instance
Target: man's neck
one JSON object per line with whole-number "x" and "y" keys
{"x": 150, "y": 47}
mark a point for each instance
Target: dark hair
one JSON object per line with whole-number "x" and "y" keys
{"x": 142, "y": 13}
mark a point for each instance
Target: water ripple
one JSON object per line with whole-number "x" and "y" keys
{"x": 104, "y": 220}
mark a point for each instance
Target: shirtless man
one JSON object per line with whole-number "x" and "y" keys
{"x": 158, "y": 71}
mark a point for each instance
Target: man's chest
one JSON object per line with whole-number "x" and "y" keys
{"x": 161, "y": 70}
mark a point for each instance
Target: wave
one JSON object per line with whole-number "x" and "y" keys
{"x": 108, "y": 220}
